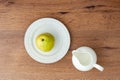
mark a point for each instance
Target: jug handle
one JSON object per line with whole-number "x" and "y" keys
{"x": 97, "y": 66}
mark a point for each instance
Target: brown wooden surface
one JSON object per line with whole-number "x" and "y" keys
{"x": 94, "y": 23}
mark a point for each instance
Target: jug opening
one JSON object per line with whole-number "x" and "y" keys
{"x": 84, "y": 58}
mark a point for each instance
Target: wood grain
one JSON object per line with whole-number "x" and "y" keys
{"x": 94, "y": 23}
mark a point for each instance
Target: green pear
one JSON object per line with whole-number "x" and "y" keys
{"x": 45, "y": 42}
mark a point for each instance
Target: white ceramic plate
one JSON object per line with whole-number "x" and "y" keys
{"x": 57, "y": 29}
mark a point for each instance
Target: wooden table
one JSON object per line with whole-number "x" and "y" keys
{"x": 94, "y": 23}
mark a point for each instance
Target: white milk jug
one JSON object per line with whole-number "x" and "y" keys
{"x": 84, "y": 59}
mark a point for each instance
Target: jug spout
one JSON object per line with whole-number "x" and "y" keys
{"x": 74, "y": 52}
